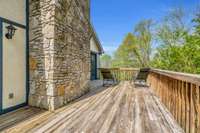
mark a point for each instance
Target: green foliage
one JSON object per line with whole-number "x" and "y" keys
{"x": 178, "y": 46}
{"x": 192, "y": 53}
{"x": 124, "y": 56}
{"x": 197, "y": 21}
{"x": 168, "y": 58}
{"x": 135, "y": 50}
{"x": 179, "y": 51}
{"x": 143, "y": 48}
{"x": 172, "y": 29}
{"x": 106, "y": 61}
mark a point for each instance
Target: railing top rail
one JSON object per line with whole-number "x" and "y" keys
{"x": 129, "y": 69}
{"x": 191, "y": 78}
{"x": 125, "y": 69}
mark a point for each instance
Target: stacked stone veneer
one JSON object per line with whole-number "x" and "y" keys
{"x": 59, "y": 50}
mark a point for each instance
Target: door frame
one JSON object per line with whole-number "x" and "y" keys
{"x": 95, "y": 54}
{"x": 26, "y": 27}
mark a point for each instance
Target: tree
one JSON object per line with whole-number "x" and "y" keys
{"x": 143, "y": 49}
{"x": 179, "y": 50}
{"x": 106, "y": 61}
{"x": 124, "y": 56}
{"x": 171, "y": 37}
{"x": 192, "y": 48}
{"x": 135, "y": 50}
{"x": 197, "y": 21}
{"x": 173, "y": 28}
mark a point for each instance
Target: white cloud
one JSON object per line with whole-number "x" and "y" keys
{"x": 110, "y": 48}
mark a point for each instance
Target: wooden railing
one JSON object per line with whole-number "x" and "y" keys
{"x": 123, "y": 74}
{"x": 180, "y": 93}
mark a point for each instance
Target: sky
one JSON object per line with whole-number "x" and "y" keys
{"x": 113, "y": 19}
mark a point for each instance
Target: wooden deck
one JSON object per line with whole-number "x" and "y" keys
{"x": 117, "y": 109}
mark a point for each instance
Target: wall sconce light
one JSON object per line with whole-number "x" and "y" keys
{"x": 11, "y": 31}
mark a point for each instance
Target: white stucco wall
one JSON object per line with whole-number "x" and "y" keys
{"x": 14, "y": 10}
{"x": 14, "y": 53}
{"x": 14, "y": 68}
{"x": 93, "y": 46}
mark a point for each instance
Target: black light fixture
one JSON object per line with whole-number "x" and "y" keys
{"x": 11, "y": 31}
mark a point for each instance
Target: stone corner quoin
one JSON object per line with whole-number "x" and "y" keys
{"x": 59, "y": 51}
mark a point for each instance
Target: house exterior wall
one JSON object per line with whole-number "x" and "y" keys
{"x": 41, "y": 47}
{"x": 14, "y": 10}
{"x": 13, "y": 65}
{"x": 13, "y": 55}
{"x": 72, "y": 49}
{"x": 59, "y": 53}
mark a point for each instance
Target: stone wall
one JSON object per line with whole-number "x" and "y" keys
{"x": 59, "y": 51}
{"x": 72, "y": 49}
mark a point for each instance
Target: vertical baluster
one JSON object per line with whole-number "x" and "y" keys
{"x": 124, "y": 75}
{"x": 157, "y": 85}
{"x": 178, "y": 99}
{"x": 156, "y": 79}
{"x": 168, "y": 105}
{"x": 120, "y": 75}
{"x": 169, "y": 93}
{"x": 173, "y": 98}
{"x": 165, "y": 90}
{"x": 128, "y": 77}
{"x": 175, "y": 101}
{"x": 163, "y": 87}
{"x": 183, "y": 107}
{"x": 177, "y": 105}
{"x": 185, "y": 100}
{"x": 176, "y": 90}
{"x": 179, "y": 102}
{"x": 160, "y": 88}
{"x": 196, "y": 99}
{"x": 192, "y": 109}
{"x": 187, "y": 108}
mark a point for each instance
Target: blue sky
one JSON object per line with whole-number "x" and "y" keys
{"x": 113, "y": 19}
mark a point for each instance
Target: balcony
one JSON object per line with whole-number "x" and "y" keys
{"x": 169, "y": 102}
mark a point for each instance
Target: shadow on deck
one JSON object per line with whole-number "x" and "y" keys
{"x": 122, "y": 108}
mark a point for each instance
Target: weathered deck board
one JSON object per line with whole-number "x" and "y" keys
{"x": 118, "y": 109}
